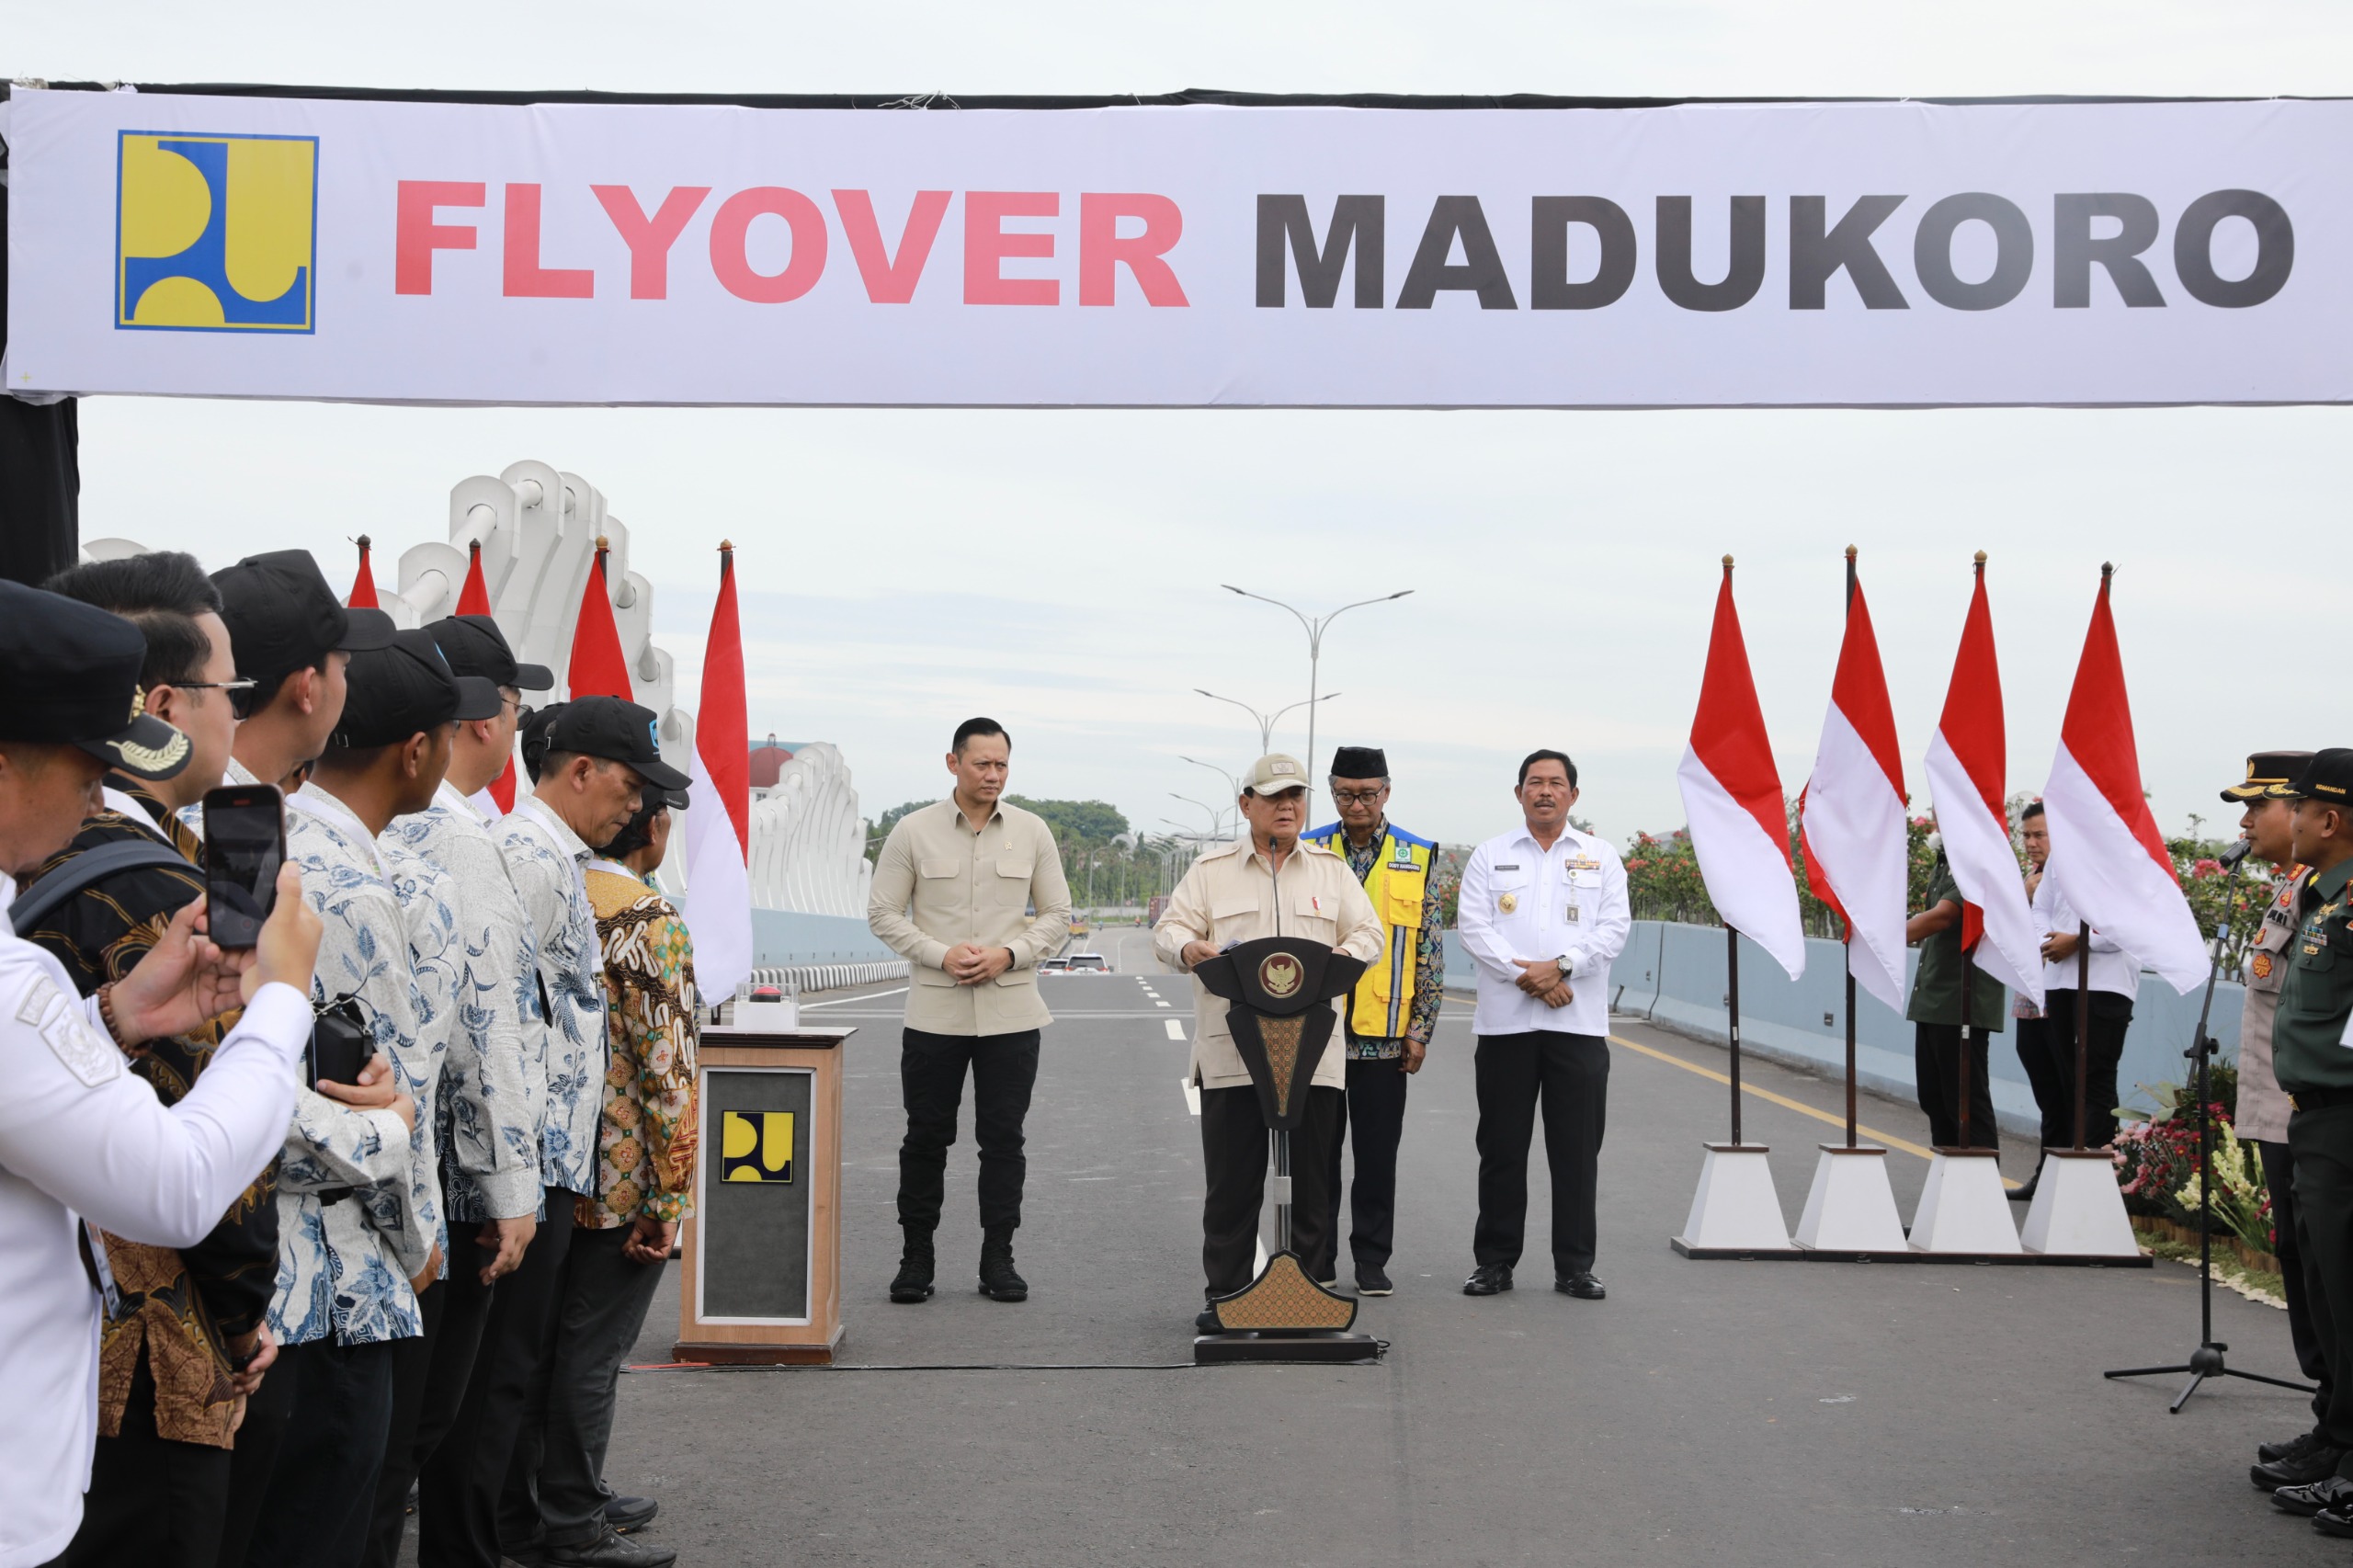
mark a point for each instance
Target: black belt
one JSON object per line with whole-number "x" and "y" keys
{"x": 2314, "y": 1099}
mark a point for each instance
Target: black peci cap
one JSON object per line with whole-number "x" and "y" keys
{"x": 2264, "y": 771}
{"x": 618, "y": 730}
{"x": 282, "y": 617}
{"x": 395, "y": 693}
{"x": 1360, "y": 762}
{"x": 474, "y": 646}
{"x": 71, "y": 672}
{"x": 2328, "y": 777}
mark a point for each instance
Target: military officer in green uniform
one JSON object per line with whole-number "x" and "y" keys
{"x": 1938, "y": 1040}
{"x": 2311, "y": 1056}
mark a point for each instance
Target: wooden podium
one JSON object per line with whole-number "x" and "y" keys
{"x": 762, "y": 1278}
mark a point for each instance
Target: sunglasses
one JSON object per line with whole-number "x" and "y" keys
{"x": 240, "y": 693}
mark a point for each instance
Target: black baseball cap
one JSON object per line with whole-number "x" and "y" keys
{"x": 478, "y": 695}
{"x": 282, "y": 617}
{"x": 618, "y": 730}
{"x": 474, "y": 646}
{"x": 397, "y": 691}
{"x": 2328, "y": 777}
{"x": 71, "y": 672}
{"x": 2267, "y": 771}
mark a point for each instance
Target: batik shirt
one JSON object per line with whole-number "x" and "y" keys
{"x": 179, "y": 1307}
{"x": 547, "y": 861}
{"x": 494, "y": 1082}
{"x": 350, "y": 1232}
{"x": 645, "y": 1157}
{"x": 1429, "y": 946}
{"x": 428, "y": 901}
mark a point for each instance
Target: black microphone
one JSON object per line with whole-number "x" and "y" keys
{"x": 2236, "y": 853}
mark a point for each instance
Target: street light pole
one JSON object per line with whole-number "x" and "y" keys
{"x": 1266, "y": 724}
{"x": 1315, "y": 629}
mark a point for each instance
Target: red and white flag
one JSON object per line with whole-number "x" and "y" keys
{"x": 1858, "y": 850}
{"x": 1732, "y": 797}
{"x": 496, "y": 798}
{"x": 2107, "y": 855}
{"x": 719, "y": 822}
{"x": 599, "y": 666}
{"x": 1968, "y": 768}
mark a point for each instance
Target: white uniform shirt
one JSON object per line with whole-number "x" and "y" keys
{"x": 83, "y": 1137}
{"x": 1520, "y": 901}
{"x": 2113, "y": 969}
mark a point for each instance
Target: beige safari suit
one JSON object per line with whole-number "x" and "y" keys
{"x": 938, "y": 883}
{"x": 1233, "y": 894}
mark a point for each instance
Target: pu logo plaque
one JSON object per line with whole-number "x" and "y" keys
{"x": 755, "y": 1145}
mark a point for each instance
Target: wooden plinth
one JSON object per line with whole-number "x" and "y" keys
{"x": 1211, "y": 1349}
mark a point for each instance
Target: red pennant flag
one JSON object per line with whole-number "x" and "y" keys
{"x": 474, "y": 599}
{"x": 363, "y": 587}
{"x": 719, "y": 820}
{"x": 599, "y": 666}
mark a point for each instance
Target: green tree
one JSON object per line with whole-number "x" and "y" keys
{"x": 883, "y": 825}
{"x": 1081, "y": 821}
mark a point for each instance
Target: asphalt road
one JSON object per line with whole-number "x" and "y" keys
{"x": 1707, "y": 1413}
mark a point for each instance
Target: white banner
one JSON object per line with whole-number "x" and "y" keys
{"x": 1709, "y": 254}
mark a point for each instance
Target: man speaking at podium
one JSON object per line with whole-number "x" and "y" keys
{"x": 1268, "y": 884}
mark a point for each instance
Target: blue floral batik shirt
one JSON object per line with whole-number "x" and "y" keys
{"x": 494, "y": 1082}
{"x": 548, "y": 862}
{"x": 355, "y": 1217}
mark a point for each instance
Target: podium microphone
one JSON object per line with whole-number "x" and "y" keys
{"x": 2238, "y": 851}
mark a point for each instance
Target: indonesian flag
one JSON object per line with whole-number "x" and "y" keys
{"x": 1857, "y": 851}
{"x": 599, "y": 666}
{"x": 2105, "y": 853}
{"x": 1968, "y": 764}
{"x": 474, "y": 599}
{"x": 1732, "y": 797}
{"x": 363, "y": 587}
{"x": 719, "y": 822}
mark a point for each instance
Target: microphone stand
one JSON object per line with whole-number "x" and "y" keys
{"x": 2206, "y": 1361}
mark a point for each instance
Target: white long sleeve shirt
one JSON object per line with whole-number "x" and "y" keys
{"x": 1519, "y": 901}
{"x": 82, "y": 1137}
{"x": 2113, "y": 969}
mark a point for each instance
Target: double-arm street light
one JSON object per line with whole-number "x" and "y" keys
{"x": 1314, "y": 628}
{"x": 1266, "y": 724}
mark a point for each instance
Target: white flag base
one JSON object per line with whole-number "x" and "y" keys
{"x": 1963, "y": 1208}
{"x": 1850, "y": 1208}
{"x": 1735, "y": 1213}
{"x": 2078, "y": 1212}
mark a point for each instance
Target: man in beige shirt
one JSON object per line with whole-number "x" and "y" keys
{"x": 953, "y": 891}
{"x": 1268, "y": 884}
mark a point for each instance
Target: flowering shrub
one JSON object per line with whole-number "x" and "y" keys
{"x": 2157, "y": 1163}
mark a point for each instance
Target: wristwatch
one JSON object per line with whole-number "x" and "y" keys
{"x": 1564, "y": 963}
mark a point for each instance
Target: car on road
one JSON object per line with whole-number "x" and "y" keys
{"x": 1089, "y": 963}
{"x": 1053, "y": 966}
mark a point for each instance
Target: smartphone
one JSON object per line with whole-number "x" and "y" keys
{"x": 244, "y": 844}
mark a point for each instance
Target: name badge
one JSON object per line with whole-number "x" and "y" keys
{"x": 1583, "y": 863}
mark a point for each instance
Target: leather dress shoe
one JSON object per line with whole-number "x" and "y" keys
{"x": 1204, "y": 1322}
{"x": 2024, "y": 1191}
{"x": 2289, "y": 1449}
{"x": 610, "y": 1551}
{"x": 2337, "y": 1520}
{"x": 1373, "y": 1281}
{"x": 2317, "y": 1463}
{"x": 1582, "y": 1285}
{"x": 2306, "y": 1500}
{"x": 1488, "y": 1279}
{"x": 627, "y": 1514}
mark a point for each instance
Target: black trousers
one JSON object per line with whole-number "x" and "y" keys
{"x": 152, "y": 1501}
{"x": 1234, "y": 1153}
{"x": 2051, "y": 1096}
{"x": 459, "y": 1485}
{"x": 429, "y": 1385}
{"x": 2279, "y": 1177}
{"x": 1936, "y": 1076}
{"x": 267, "y": 1413}
{"x": 931, "y": 1079}
{"x": 1569, "y": 1075}
{"x": 2111, "y": 1014}
{"x": 323, "y": 1488}
{"x": 2320, "y": 1142}
{"x": 556, "y": 1477}
{"x": 1372, "y": 1120}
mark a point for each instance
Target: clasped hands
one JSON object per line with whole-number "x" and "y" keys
{"x": 968, "y": 964}
{"x": 1544, "y": 980}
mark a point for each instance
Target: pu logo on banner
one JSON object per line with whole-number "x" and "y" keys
{"x": 755, "y": 1145}
{"x": 215, "y": 233}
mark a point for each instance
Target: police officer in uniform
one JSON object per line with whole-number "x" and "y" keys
{"x": 2311, "y": 1056}
{"x": 1393, "y": 1009}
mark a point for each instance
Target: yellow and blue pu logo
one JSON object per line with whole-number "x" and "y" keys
{"x": 755, "y": 1145}
{"x": 216, "y": 233}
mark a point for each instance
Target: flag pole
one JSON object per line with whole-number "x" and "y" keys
{"x": 1849, "y": 944}
{"x": 1732, "y": 1005}
{"x": 2084, "y": 970}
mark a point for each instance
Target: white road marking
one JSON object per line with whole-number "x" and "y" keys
{"x": 1160, "y": 1004}
{"x": 1176, "y": 1028}
{"x": 1193, "y": 1095}
{"x": 871, "y": 996}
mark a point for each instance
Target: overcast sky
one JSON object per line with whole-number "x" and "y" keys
{"x": 1059, "y": 569}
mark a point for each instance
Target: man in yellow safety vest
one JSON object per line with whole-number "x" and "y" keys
{"x": 1395, "y": 1006}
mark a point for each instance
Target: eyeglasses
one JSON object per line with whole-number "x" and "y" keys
{"x": 1360, "y": 797}
{"x": 240, "y": 693}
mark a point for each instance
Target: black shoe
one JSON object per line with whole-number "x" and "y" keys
{"x": 1488, "y": 1279}
{"x": 1582, "y": 1285}
{"x": 2304, "y": 1501}
{"x": 2024, "y": 1191}
{"x": 2289, "y": 1449}
{"x": 2336, "y": 1520}
{"x": 628, "y": 1513}
{"x": 610, "y": 1550}
{"x": 999, "y": 1282}
{"x": 1204, "y": 1322}
{"x": 914, "y": 1280}
{"x": 1373, "y": 1281}
{"x": 2315, "y": 1463}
